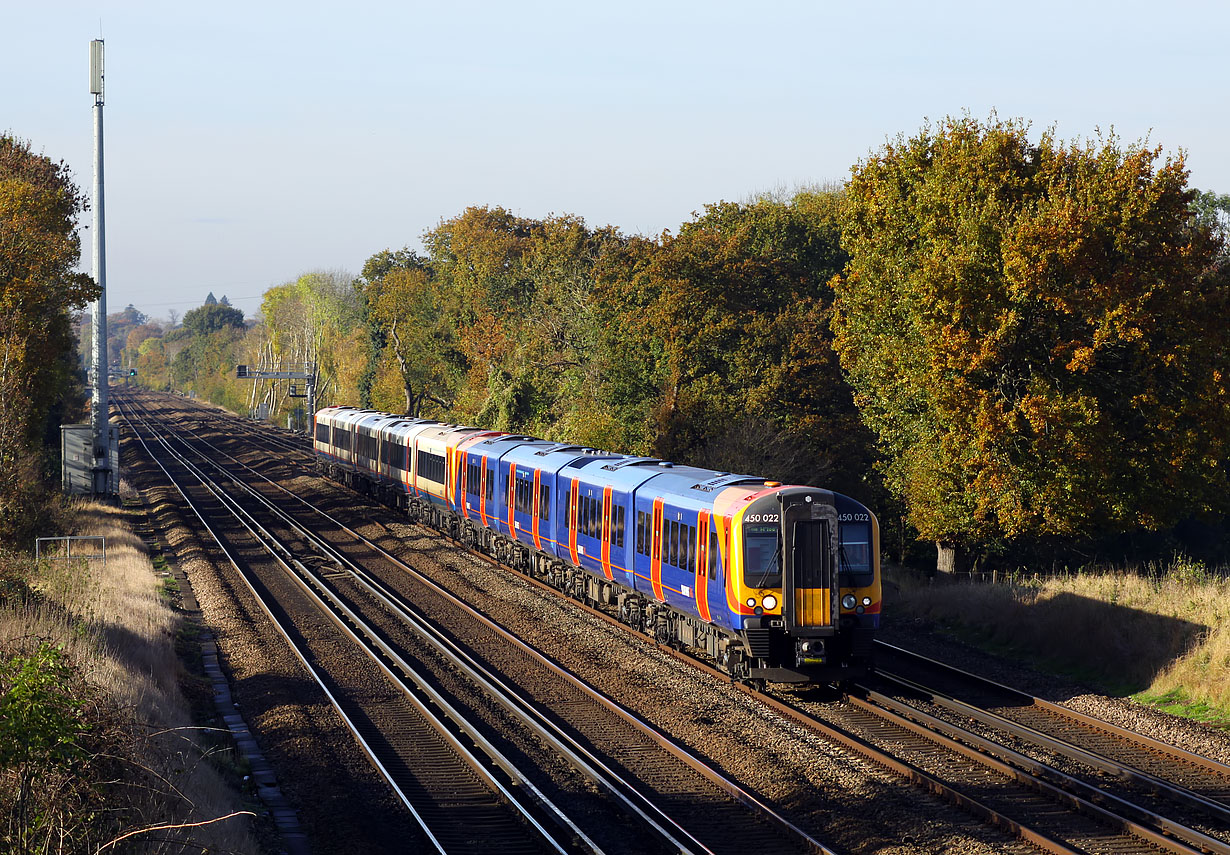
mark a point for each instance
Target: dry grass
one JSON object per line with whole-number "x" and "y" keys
{"x": 1157, "y": 632}
{"x": 117, "y": 628}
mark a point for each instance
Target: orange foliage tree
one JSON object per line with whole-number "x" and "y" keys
{"x": 39, "y": 251}
{"x": 1036, "y": 334}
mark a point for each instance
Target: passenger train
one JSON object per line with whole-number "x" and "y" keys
{"x": 770, "y": 582}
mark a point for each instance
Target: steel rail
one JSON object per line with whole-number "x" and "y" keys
{"x": 1173, "y": 751}
{"x": 1066, "y": 789}
{"x": 1120, "y": 770}
{"x": 445, "y": 732}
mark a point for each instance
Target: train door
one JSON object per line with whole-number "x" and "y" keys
{"x": 809, "y": 583}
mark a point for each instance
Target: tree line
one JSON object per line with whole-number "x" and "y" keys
{"x": 1011, "y": 348}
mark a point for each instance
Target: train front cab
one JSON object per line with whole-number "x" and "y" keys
{"x": 804, "y": 619}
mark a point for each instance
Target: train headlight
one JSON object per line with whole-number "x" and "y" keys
{"x": 866, "y": 601}
{"x": 751, "y": 602}
{"x": 770, "y": 602}
{"x": 849, "y": 601}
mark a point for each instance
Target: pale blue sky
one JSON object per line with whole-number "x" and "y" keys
{"x": 247, "y": 143}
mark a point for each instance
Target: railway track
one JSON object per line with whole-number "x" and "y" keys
{"x": 447, "y": 785}
{"x": 682, "y": 801}
{"x": 1165, "y": 782}
{"x": 998, "y": 779}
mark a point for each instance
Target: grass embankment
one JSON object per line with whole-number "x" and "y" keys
{"x": 1157, "y": 634}
{"x": 98, "y": 750}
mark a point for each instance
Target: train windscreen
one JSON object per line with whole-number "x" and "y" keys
{"x": 854, "y": 555}
{"x": 761, "y": 555}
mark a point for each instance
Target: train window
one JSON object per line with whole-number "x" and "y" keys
{"x": 854, "y": 558}
{"x": 341, "y": 438}
{"x": 715, "y": 555}
{"x": 619, "y": 527}
{"x": 544, "y": 502}
{"x": 595, "y": 518}
{"x": 431, "y": 466}
{"x": 322, "y": 432}
{"x": 762, "y": 555}
{"x": 365, "y": 445}
{"x": 673, "y": 554}
{"x": 490, "y": 486}
{"x": 691, "y": 562}
{"x": 640, "y": 532}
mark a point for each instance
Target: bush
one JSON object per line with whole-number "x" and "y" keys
{"x": 42, "y": 725}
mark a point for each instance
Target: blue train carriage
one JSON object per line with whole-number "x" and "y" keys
{"x": 680, "y": 567}
{"x": 534, "y": 481}
{"x": 803, "y": 588}
{"x": 483, "y": 510}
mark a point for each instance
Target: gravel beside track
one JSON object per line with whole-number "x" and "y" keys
{"x": 342, "y": 805}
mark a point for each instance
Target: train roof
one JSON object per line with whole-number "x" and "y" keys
{"x": 686, "y": 484}
{"x": 554, "y": 456}
{"x": 499, "y": 445}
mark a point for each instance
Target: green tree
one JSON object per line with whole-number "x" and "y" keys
{"x": 1213, "y": 211}
{"x": 403, "y": 306}
{"x": 211, "y": 318}
{"x": 1035, "y": 333}
{"x": 315, "y": 320}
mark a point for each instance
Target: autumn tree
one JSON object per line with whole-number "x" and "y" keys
{"x": 39, "y": 287}
{"x": 477, "y": 263}
{"x": 314, "y": 320}
{"x": 1035, "y": 333}
{"x": 731, "y": 314}
{"x": 406, "y": 321}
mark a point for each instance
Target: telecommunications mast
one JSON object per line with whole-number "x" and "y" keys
{"x": 99, "y": 415}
